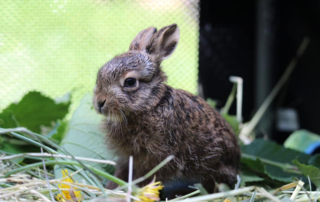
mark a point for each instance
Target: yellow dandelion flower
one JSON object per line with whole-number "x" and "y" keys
{"x": 69, "y": 194}
{"x": 150, "y": 193}
{"x": 230, "y": 199}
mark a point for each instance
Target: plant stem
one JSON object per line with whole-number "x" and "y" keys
{"x": 253, "y": 195}
{"x": 155, "y": 169}
{"x": 284, "y": 166}
{"x": 44, "y": 139}
{"x": 219, "y": 195}
{"x": 185, "y": 196}
{"x": 149, "y": 174}
{"x": 13, "y": 132}
{"x": 46, "y": 177}
{"x": 248, "y": 129}
{"x": 230, "y": 99}
{"x": 55, "y": 156}
{"x": 98, "y": 172}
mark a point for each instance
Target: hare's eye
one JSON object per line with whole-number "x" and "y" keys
{"x": 130, "y": 82}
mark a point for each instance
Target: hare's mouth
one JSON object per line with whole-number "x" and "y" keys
{"x": 112, "y": 113}
{"x": 111, "y": 117}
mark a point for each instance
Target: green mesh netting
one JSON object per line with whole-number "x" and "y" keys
{"x": 57, "y": 46}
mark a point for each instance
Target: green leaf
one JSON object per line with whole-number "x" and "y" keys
{"x": 300, "y": 140}
{"x": 254, "y": 164}
{"x": 315, "y": 161}
{"x": 84, "y": 136}
{"x": 309, "y": 170}
{"x": 8, "y": 120}
{"x": 6, "y": 148}
{"x": 13, "y": 147}
{"x": 254, "y": 170}
{"x": 250, "y": 170}
{"x": 247, "y": 177}
{"x": 276, "y": 159}
{"x": 58, "y": 132}
{"x": 33, "y": 111}
{"x": 212, "y": 103}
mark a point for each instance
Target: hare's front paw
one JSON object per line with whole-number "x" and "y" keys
{"x": 111, "y": 185}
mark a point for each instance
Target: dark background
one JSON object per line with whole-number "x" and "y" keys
{"x": 256, "y": 40}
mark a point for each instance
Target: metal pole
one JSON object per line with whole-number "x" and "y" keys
{"x": 265, "y": 60}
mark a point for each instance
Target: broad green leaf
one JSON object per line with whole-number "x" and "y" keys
{"x": 253, "y": 170}
{"x": 33, "y": 111}
{"x": 250, "y": 169}
{"x": 6, "y": 148}
{"x": 58, "y": 132}
{"x": 254, "y": 164}
{"x": 8, "y": 120}
{"x": 14, "y": 148}
{"x": 249, "y": 176}
{"x": 301, "y": 140}
{"x": 309, "y": 170}
{"x": 279, "y": 157}
{"x": 11, "y": 148}
{"x": 84, "y": 137}
{"x": 315, "y": 161}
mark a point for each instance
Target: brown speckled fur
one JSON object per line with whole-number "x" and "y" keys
{"x": 153, "y": 120}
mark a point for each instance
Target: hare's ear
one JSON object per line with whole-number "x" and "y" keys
{"x": 140, "y": 42}
{"x": 164, "y": 42}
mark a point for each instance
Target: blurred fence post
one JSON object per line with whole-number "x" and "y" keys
{"x": 265, "y": 60}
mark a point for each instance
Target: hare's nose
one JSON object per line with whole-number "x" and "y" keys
{"x": 101, "y": 103}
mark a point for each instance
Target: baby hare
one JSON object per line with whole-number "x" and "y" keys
{"x": 149, "y": 120}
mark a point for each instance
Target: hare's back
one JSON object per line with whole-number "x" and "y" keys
{"x": 196, "y": 111}
{"x": 204, "y": 122}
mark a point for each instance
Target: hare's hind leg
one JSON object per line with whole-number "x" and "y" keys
{"x": 122, "y": 172}
{"x": 209, "y": 184}
{"x": 226, "y": 175}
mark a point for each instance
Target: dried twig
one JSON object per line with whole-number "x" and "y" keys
{"x": 296, "y": 191}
